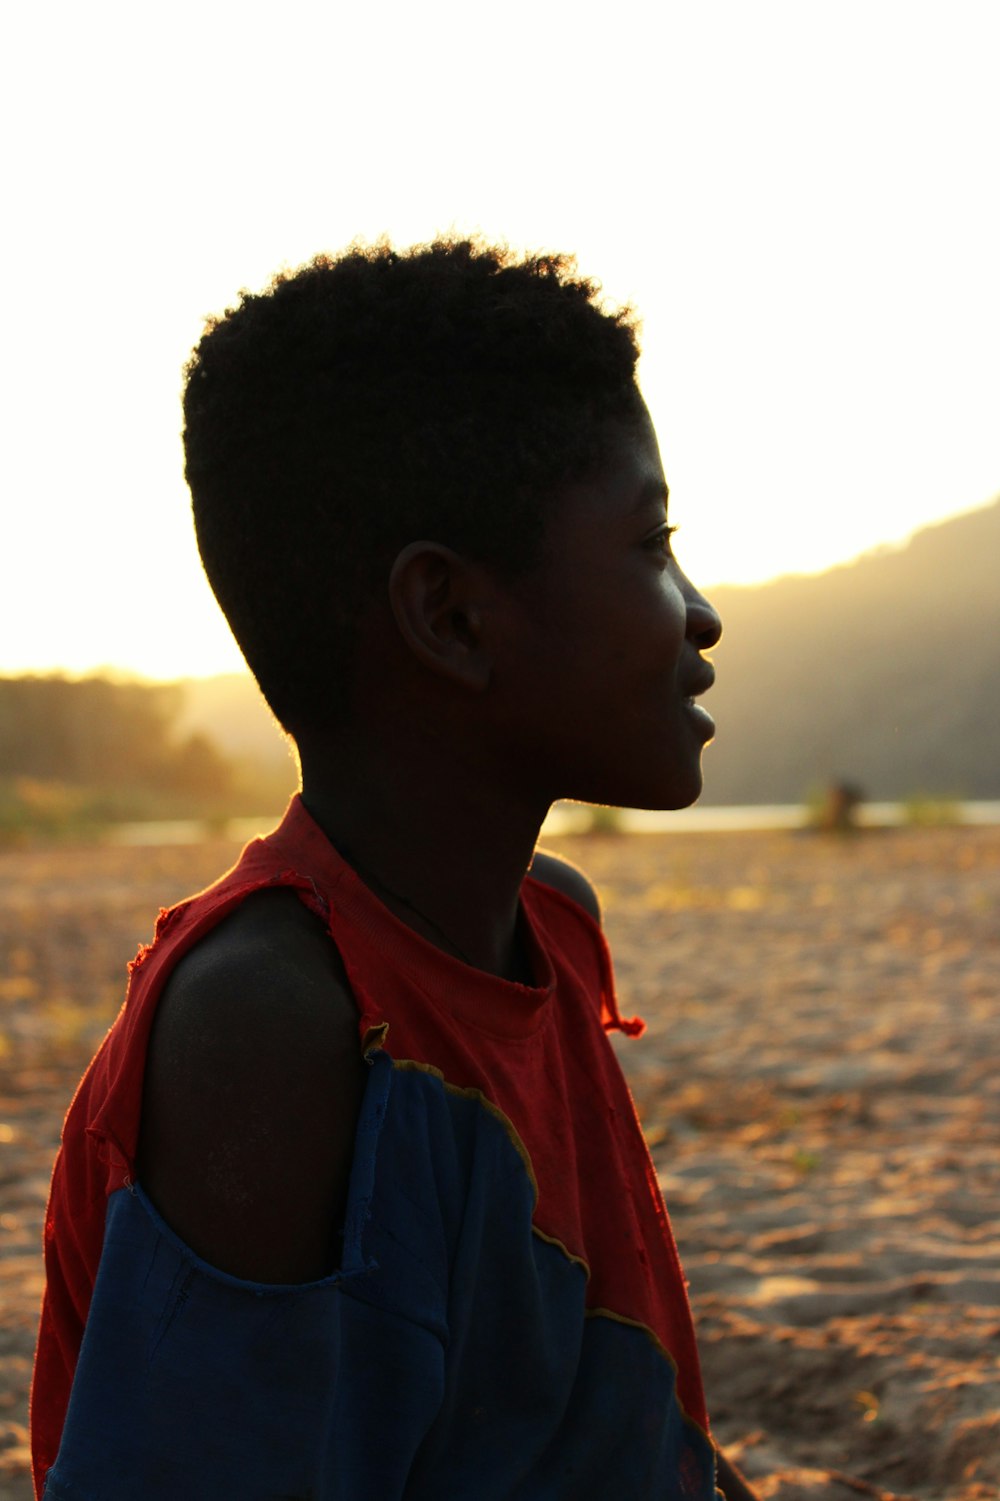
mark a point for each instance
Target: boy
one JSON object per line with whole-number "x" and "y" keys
{"x": 353, "y": 1202}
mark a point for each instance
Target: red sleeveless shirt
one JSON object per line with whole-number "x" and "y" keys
{"x": 507, "y": 1246}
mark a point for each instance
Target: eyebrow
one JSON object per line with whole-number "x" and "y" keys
{"x": 652, "y": 490}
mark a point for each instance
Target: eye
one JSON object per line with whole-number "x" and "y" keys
{"x": 660, "y": 542}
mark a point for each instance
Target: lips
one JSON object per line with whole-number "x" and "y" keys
{"x": 699, "y": 682}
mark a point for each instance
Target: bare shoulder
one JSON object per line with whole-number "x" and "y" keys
{"x": 564, "y": 876}
{"x": 253, "y": 1083}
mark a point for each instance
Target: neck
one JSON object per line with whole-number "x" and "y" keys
{"x": 433, "y": 842}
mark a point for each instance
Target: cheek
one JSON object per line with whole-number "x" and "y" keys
{"x": 659, "y": 616}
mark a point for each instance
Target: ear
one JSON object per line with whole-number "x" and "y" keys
{"x": 437, "y": 599}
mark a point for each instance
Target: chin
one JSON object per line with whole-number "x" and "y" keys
{"x": 673, "y": 801}
{"x": 655, "y": 794}
{"x": 680, "y": 792}
{"x": 676, "y": 783}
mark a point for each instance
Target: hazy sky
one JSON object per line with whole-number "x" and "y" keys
{"x": 799, "y": 198}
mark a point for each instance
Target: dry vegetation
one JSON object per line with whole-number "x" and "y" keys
{"x": 818, "y": 1083}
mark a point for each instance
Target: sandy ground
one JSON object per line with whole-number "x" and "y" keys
{"x": 820, "y": 1087}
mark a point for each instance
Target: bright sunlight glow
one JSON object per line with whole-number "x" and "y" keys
{"x": 800, "y": 200}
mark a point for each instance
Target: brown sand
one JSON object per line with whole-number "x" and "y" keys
{"x": 819, "y": 1084}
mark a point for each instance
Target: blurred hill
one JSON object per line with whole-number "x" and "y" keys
{"x": 884, "y": 672}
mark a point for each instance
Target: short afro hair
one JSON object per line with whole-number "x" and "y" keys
{"x": 448, "y": 392}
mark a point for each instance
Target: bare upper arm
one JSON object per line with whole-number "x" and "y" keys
{"x": 566, "y": 877}
{"x": 254, "y": 1078}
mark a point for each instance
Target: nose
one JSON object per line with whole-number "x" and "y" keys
{"x": 704, "y": 624}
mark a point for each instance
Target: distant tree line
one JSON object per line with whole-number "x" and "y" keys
{"x": 96, "y": 749}
{"x": 98, "y": 733}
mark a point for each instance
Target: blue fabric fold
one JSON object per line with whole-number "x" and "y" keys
{"x": 451, "y": 1354}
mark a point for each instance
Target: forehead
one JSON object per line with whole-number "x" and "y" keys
{"x": 632, "y": 483}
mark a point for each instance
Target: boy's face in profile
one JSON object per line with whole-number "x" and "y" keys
{"x": 609, "y": 654}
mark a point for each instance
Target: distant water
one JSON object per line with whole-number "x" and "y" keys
{"x": 569, "y": 820}
{"x": 728, "y": 818}
{"x": 188, "y": 830}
